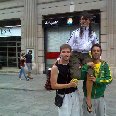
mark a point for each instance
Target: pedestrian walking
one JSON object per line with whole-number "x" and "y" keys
{"x": 22, "y": 65}
{"x": 28, "y": 57}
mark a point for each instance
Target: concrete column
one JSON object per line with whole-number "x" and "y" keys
{"x": 30, "y": 27}
{"x": 111, "y": 41}
{"x": 30, "y": 22}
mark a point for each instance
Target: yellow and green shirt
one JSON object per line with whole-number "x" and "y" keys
{"x": 97, "y": 69}
{"x": 103, "y": 77}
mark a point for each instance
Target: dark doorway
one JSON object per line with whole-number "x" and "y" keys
{"x": 10, "y": 48}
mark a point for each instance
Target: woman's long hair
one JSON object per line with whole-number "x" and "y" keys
{"x": 90, "y": 30}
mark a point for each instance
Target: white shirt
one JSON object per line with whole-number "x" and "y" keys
{"x": 82, "y": 44}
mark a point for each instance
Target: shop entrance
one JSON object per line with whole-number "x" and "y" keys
{"x": 58, "y": 29}
{"x": 10, "y": 48}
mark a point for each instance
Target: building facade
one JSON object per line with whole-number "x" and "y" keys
{"x": 31, "y": 13}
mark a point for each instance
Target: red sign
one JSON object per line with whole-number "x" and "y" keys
{"x": 52, "y": 55}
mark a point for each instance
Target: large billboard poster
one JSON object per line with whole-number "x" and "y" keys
{"x": 58, "y": 31}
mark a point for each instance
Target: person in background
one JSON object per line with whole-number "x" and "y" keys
{"x": 28, "y": 57}
{"x": 81, "y": 41}
{"x": 22, "y": 65}
{"x": 61, "y": 81}
{"x": 100, "y": 78}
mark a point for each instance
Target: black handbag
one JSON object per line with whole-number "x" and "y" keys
{"x": 59, "y": 99}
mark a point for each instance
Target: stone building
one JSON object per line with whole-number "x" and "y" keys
{"x": 27, "y": 31}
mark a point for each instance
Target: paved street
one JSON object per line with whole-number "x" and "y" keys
{"x": 29, "y": 98}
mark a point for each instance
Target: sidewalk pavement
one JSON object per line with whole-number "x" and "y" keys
{"x": 29, "y": 98}
{"x": 25, "y": 98}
